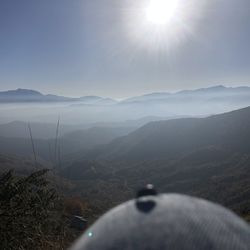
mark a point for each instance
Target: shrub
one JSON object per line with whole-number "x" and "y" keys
{"x": 30, "y": 213}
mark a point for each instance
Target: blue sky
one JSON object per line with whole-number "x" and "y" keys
{"x": 80, "y": 47}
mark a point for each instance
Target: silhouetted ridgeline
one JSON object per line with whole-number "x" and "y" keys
{"x": 208, "y": 157}
{"x": 175, "y": 138}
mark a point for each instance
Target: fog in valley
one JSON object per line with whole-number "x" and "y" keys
{"x": 90, "y": 110}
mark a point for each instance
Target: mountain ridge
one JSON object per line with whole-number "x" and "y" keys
{"x": 31, "y": 95}
{"x": 219, "y": 89}
{"x": 166, "y": 139}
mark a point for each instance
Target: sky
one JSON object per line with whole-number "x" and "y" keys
{"x": 108, "y": 48}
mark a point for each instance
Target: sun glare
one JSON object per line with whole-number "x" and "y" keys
{"x": 161, "y": 11}
{"x": 161, "y": 25}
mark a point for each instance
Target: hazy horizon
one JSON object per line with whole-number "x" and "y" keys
{"x": 111, "y": 49}
{"x": 130, "y": 96}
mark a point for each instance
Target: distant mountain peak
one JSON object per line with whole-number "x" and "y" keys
{"x": 217, "y": 87}
{"x": 21, "y": 91}
{"x": 207, "y": 89}
{"x": 26, "y": 91}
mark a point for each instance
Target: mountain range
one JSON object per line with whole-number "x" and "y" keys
{"x": 28, "y": 95}
{"x": 205, "y": 157}
{"x": 213, "y": 93}
{"x": 176, "y": 137}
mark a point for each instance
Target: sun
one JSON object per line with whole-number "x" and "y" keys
{"x": 159, "y": 26}
{"x": 161, "y": 12}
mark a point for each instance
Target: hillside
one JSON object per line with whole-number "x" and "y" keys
{"x": 96, "y": 135}
{"x": 71, "y": 143}
{"x": 205, "y": 157}
{"x": 21, "y": 165}
{"x": 174, "y": 138}
{"x": 19, "y": 129}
